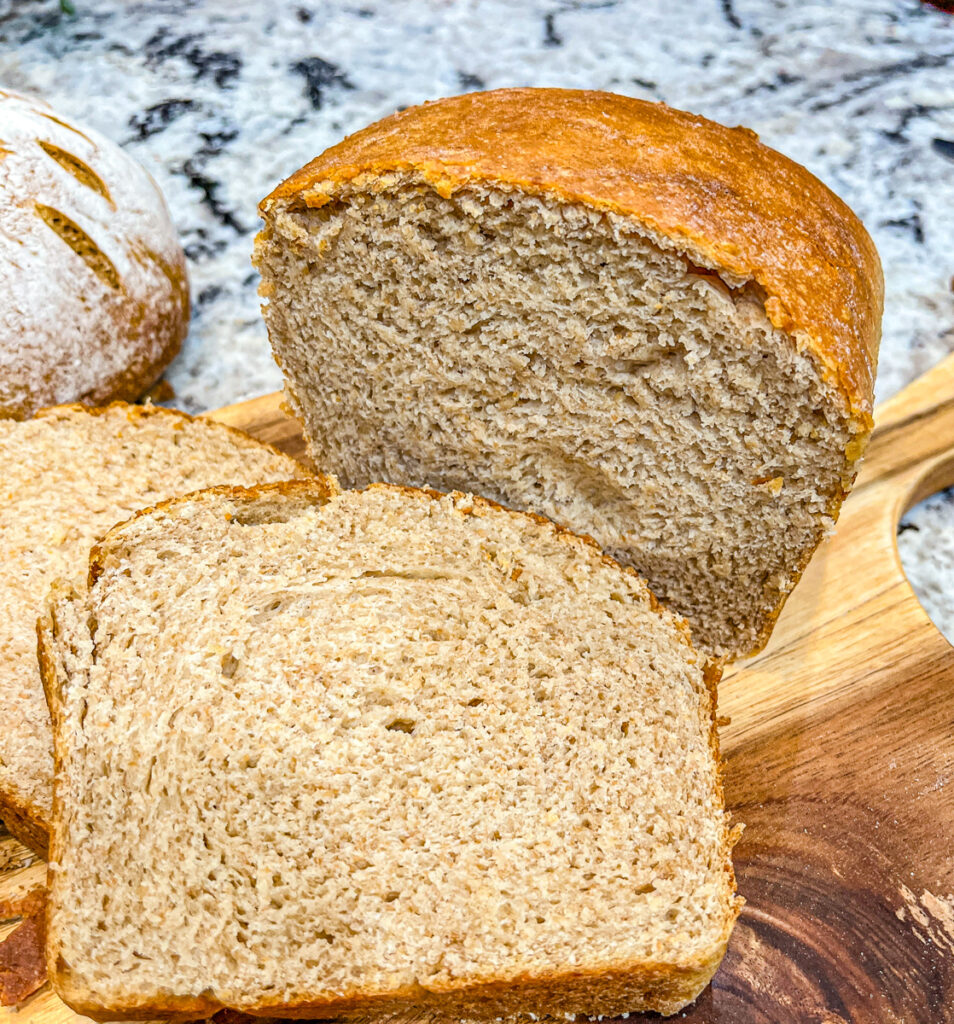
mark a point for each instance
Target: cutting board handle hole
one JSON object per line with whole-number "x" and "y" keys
{"x": 926, "y": 555}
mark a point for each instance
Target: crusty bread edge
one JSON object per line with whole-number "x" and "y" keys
{"x": 639, "y": 985}
{"x": 24, "y": 822}
{"x": 131, "y": 382}
{"x": 23, "y": 818}
{"x": 447, "y": 162}
{"x": 53, "y": 689}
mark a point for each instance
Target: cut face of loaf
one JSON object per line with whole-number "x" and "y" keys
{"x": 321, "y": 754}
{"x": 69, "y": 474}
{"x": 640, "y": 324}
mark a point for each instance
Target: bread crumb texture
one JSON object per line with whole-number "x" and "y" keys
{"x": 68, "y": 476}
{"x": 378, "y": 750}
{"x": 561, "y": 359}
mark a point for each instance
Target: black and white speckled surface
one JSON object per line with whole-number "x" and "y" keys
{"x": 221, "y": 100}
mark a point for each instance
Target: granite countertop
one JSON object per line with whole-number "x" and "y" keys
{"x": 221, "y": 101}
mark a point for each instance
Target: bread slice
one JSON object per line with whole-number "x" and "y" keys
{"x": 68, "y": 475}
{"x": 643, "y": 325}
{"x": 322, "y": 754}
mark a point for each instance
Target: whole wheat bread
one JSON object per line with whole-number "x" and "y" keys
{"x": 69, "y": 474}
{"x": 325, "y": 753}
{"x": 643, "y": 325}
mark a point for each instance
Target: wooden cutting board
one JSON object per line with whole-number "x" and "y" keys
{"x": 840, "y": 759}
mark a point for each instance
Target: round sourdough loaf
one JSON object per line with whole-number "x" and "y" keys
{"x": 95, "y": 299}
{"x": 646, "y": 326}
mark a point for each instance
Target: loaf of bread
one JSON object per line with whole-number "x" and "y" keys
{"x": 325, "y": 753}
{"x": 646, "y": 326}
{"x": 94, "y": 300}
{"x": 69, "y": 474}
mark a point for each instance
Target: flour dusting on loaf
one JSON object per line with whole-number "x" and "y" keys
{"x": 643, "y": 325}
{"x": 95, "y": 299}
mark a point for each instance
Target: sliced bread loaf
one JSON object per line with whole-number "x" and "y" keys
{"x": 319, "y": 754}
{"x": 646, "y": 326}
{"x": 69, "y": 474}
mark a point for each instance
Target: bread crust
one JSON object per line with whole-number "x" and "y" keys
{"x": 22, "y": 967}
{"x": 25, "y": 820}
{"x": 719, "y": 195}
{"x": 638, "y": 985}
{"x": 25, "y": 823}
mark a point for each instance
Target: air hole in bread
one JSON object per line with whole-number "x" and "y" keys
{"x": 265, "y": 513}
{"x": 275, "y": 607}
{"x": 259, "y": 516}
{"x": 76, "y": 238}
{"x": 401, "y": 725}
{"x": 83, "y": 173}
{"x": 230, "y": 665}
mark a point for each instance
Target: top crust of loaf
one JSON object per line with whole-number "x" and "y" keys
{"x": 716, "y": 193}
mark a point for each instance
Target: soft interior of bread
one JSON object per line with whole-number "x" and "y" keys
{"x": 67, "y": 477}
{"x": 558, "y": 359}
{"x": 386, "y": 744}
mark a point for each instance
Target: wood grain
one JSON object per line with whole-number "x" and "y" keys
{"x": 840, "y": 756}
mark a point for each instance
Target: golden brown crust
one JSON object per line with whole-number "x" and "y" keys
{"x": 722, "y": 197}
{"x": 138, "y": 378}
{"x": 135, "y": 379}
{"x": 170, "y": 329}
{"x": 637, "y": 985}
{"x": 24, "y": 821}
{"x": 641, "y": 987}
{"x": 46, "y": 634}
